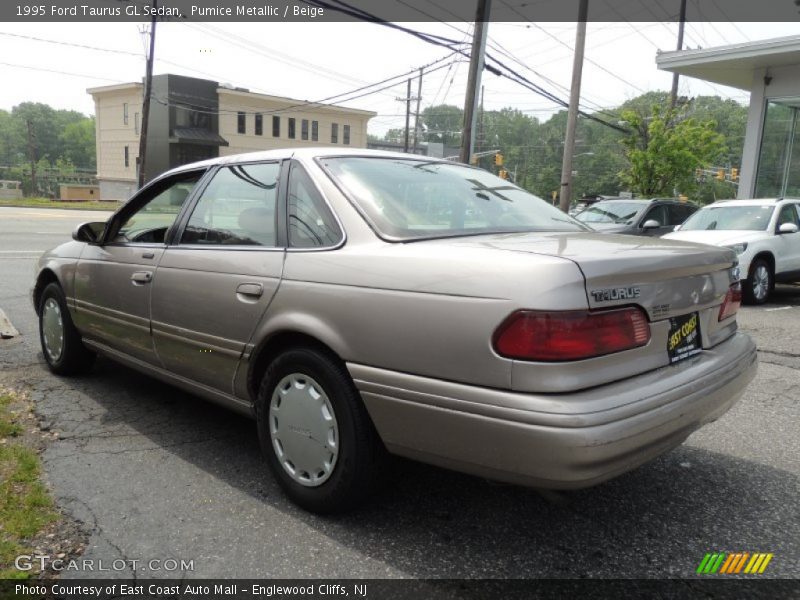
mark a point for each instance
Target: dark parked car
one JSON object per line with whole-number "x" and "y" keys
{"x": 637, "y": 217}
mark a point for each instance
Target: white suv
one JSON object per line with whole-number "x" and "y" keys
{"x": 765, "y": 234}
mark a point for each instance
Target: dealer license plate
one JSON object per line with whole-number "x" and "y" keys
{"x": 684, "y": 337}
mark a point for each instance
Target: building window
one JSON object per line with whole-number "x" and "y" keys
{"x": 136, "y": 122}
{"x": 314, "y": 131}
{"x": 125, "y": 114}
{"x": 241, "y": 122}
{"x": 334, "y": 133}
{"x": 276, "y": 126}
{"x": 291, "y": 128}
{"x": 304, "y": 129}
{"x": 777, "y": 173}
{"x": 259, "y": 124}
{"x": 346, "y": 134}
{"x": 127, "y": 157}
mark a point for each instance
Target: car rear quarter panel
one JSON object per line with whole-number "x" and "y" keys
{"x": 408, "y": 308}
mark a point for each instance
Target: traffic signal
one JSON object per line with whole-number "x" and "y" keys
{"x": 734, "y": 173}
{"x": 498, "y": 159}
{"x": 503, "y": 174}
{"x": 720, "y": 174}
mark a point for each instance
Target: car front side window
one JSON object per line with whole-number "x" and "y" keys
{"x": 150, "y": 222}
{"x": 237, "y": 208}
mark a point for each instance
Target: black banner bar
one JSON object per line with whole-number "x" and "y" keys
{"x": 717, "y": 587}
{"x": 37, "y": 11}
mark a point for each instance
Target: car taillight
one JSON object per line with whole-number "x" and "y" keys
{"x": 733, "y": 300}
{"x": 570, "y": 335}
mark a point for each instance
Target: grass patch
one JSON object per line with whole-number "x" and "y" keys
{"x": 25, "y": 505}
{"x": 47, "y": 203}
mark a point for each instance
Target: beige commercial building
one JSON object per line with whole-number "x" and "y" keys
{"x": 194, "y": 119}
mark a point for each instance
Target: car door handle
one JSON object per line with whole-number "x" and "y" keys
{"x": 250, "y": 289}
{"x": 141, "y": 277}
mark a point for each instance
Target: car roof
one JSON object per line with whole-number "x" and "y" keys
{"x": 283, "y": 153}
{"x": 750, "y": 202}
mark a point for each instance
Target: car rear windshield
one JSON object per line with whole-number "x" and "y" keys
{"x": 406, "y": 199}
{"x": 741, "y": 218}
{"x": 610, "y": 212}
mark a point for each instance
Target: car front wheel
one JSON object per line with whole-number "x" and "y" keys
{"x": 759, "y": 283}
{"x": 61, "y": 343}
{"x": 315, "y": 432}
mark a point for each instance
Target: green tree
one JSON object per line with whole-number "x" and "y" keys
{"x": 443, "y": 123}
{"x": 665, "y": 148}
{"x": 78, "y": 142}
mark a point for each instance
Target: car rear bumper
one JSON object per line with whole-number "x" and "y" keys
{"x": 557, "y": 441}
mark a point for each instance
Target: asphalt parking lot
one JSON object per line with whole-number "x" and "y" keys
{"x": 155, "y": 473}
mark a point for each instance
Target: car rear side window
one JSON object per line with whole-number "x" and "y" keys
{"x": 237, "y": 208}
{"x": 679, "y": 213}
{"x": 311, "y": 223}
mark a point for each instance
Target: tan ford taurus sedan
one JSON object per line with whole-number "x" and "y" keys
{"x": 355, "y": 302}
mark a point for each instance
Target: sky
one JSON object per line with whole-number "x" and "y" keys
{"x": 312, "y": 61}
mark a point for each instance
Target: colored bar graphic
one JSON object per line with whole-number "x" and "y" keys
{"x": 729, "y": 563}
{"x": 741, "y": 562}
{"x": 703, "y": 563}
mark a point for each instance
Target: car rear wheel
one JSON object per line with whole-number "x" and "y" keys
{"x": 759, "y": 282}
{"x": 315, "y": 432}
{"x": 61, "y": 343}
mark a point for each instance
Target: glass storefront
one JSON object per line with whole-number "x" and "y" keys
{"x": 778, "y": 172}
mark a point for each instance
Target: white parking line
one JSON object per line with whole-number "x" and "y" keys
{"x": 778, "y": 308}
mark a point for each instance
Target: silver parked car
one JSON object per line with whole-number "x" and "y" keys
{"x": 355, "y": 302}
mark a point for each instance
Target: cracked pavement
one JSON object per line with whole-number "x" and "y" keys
{"x": 155, "y": 473}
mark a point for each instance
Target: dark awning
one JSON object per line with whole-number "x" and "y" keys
{"x": 197, "y": 135}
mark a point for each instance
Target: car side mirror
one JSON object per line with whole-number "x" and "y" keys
{"x": 89, "y": 233}
{"x": 651, "y": 224}
{"x": 788, "y": 228}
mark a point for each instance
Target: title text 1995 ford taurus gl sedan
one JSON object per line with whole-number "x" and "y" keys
{"x": 355, "y": 302}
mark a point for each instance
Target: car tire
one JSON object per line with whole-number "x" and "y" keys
{"x": 62, "y": 346}
{"x": 315, "y": 432}
{"x": 759, "y": 283}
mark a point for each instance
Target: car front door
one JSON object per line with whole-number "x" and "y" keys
{"x": 113, "y": 278}
{"x": 215, "y": 282}
{"x": 787, "y": 247}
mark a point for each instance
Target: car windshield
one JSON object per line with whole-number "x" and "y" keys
{"x": 408, "y": 199}
{"x": 744, "y": 218}
{"x": 610, "y": 212}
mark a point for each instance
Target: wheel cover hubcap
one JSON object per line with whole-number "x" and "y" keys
{"x": 303, "y": 429}
{"x": 760, "y": 282}
{"x": 52, "y": 329}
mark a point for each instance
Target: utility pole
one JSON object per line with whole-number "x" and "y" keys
{"x": 474, "y": 80}
{"x": 481, "y": 139}
{"x": 416, "y": 117}
{"x": 31, "y": 155}
{"x": 408, "y": 113}
{"x": 148, "y": 89}
{"x": 673, "y": 96}
{"x": 572, "y": 114}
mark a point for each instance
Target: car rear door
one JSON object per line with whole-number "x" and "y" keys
{"x": 218, "y": 277}
{"x": 113, "y": 279}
